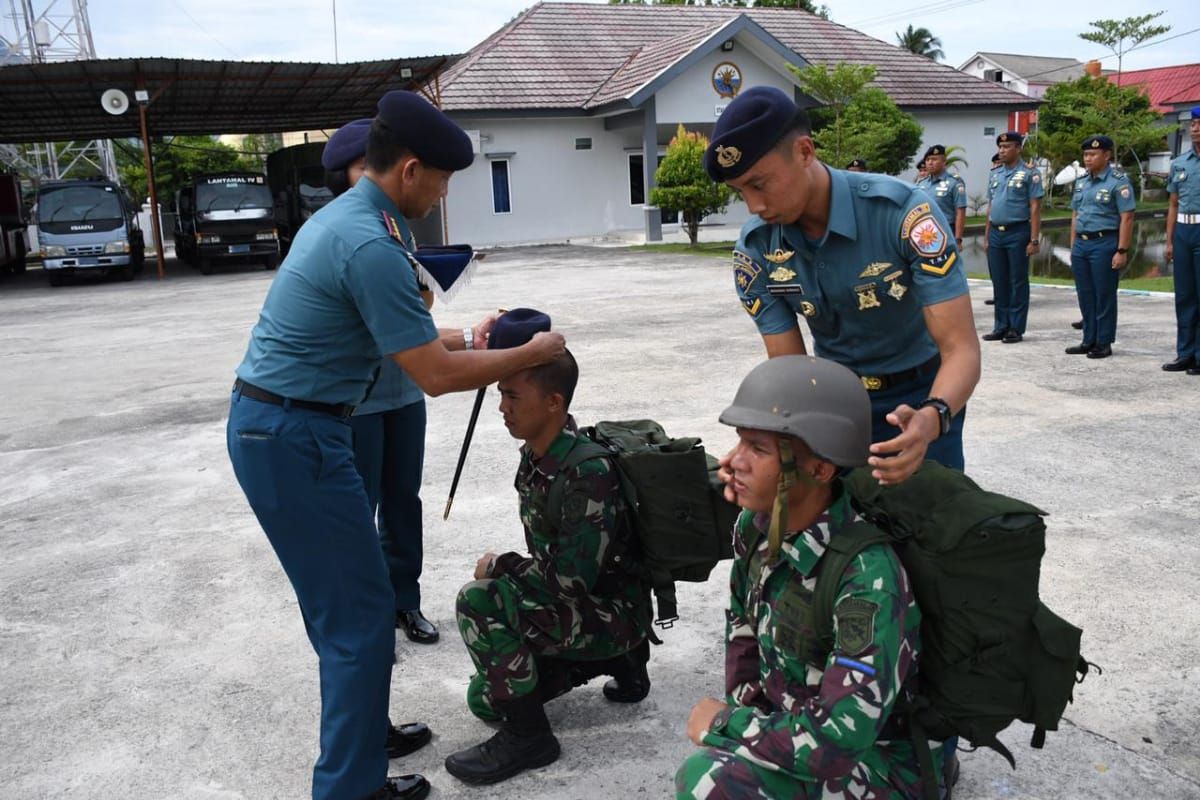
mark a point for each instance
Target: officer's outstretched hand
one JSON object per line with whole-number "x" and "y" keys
{"x": 895, "y": 460}
{"x": 483, "y": 330}
{"x": 547, "y": 346}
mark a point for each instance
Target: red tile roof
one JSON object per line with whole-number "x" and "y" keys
{"x": 577, "y": 56}
{"x": 1168, "y": 87}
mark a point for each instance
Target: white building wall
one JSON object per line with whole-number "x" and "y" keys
{"x": 979, "y": 65}
{"x": 967, "y": 129}
{"x": 691, "y": 98}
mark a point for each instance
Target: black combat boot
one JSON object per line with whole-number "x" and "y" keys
{"x": 523, "y": 742}
{"x": 630, "y": 682}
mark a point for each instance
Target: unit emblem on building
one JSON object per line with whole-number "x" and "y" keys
{"x": 727, "y": 79}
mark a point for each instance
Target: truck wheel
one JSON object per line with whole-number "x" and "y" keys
{"x": 206, "y": 266}
{"x": 56, "y": 278}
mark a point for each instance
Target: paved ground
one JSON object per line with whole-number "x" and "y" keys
{"x": 151, "y": 647}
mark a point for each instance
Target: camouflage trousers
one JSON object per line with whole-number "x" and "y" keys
{"x": 716, "y": 774}
{"x": 505, "y": 632}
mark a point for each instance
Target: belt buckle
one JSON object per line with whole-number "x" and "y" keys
{"x": 871, "y": 383}
{"x": 1001, "y": 227}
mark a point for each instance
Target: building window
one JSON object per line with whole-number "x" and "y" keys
{"x": 583, "y": 143}
{"x": 989, "y": 131}
{"x": 637, "y": 181}
{"x": 501, "y": 195}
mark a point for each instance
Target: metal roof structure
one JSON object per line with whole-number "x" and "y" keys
{"x": 61, "y": 100}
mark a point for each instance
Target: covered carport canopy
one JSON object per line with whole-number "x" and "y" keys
{"x": 61, "y": 101}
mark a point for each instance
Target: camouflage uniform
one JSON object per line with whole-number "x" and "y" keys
{"x": 803, "y": 723}
{"x": 565, "y": 599}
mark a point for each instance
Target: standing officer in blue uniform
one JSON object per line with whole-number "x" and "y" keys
{"x": 1013, "y": 234}
{"x": 1101, "y": 229}
{"x": 1183, "y": 247}
{"x": 947, "y": 190}
{"x": 870, "y": 264}
{"x": 389, "y": 427}
{"x": 344, "y": 299}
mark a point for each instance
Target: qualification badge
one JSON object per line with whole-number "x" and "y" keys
{"x": 779, "y": 256}
{"x": 782, "y": 274}
{"x": 866, "y": 296}
{"x": 897, "y": 290}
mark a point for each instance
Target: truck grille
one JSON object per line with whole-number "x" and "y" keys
{"x": 86, "y": 250}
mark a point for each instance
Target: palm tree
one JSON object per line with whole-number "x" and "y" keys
{"x": 921, "y": 42}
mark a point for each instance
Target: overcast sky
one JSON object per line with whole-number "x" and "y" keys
{"x": 302, "y": 30}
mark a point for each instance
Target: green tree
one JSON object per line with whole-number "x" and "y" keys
{"x": 921, "y": 42}
{"x": 1122, "y": 35}
{"x": 954, "y": 156}
{"x": 682, "y": 184}
{"x": 857, "y": 120}
{"x": 175, "y": 162}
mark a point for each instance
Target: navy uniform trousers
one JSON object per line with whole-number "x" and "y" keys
{"x": 1096, "y": 285}
{"x": 297, "y": 470}
{"x": 1009, "y": 268}
{"x": 389, "y": 450}
{"x": 1187, "y": 290}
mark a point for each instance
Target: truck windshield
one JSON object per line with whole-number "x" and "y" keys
{"x": 232, "y": 194}
{"x": 78, "y": 203}
{"x": 314, "y": 198}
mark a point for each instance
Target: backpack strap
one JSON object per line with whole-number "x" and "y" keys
{"x": 582, "y": 450}
{"x": 841, "y": 551}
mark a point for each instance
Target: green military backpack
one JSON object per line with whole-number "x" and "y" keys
{"x": 681, "y": 522}
{"x": 991, "y": 651}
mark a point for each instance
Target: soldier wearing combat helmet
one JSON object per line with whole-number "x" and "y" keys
{"x": 797, "y": 721}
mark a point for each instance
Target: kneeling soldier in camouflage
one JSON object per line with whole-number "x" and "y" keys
{"x": 801, "y": 720}
{"x": 536, "y": 625}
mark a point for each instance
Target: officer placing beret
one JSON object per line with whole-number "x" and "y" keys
{"x": 870, "y": 264}
{"x": 1013, "y": 234}
{"x": 1183, "y": 247}
{"x": 1101, "y": 229}
{"x": 338, "y": 306}
{"x": 946, "y": 189}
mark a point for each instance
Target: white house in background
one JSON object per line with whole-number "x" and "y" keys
{"x": 1029, "y": 75}
{"x": 571, "y": 105}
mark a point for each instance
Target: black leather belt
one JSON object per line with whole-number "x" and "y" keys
{"x": 877, "y": 383}
{"x": 1011, "y": 225}
{"x": 1098, "y": 234}
{"x": 255, "y": 393}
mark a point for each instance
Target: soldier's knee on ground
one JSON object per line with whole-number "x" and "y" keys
{"x": 714, "y": 774}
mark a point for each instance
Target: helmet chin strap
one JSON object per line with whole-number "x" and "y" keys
{"x": 789, "y": 475}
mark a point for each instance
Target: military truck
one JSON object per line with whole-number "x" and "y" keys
{"x": 297, "y": 182}
{"x": 88, "y": 226}
{"x": 225, "y": 218}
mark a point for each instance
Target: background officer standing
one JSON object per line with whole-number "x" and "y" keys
{"x": 1013, "y": 233}
{"x": 870, "y": 264}
{"x": 339, "y": 304}
{"x": 1101, "y": 229}
{"x": 947, "y": 190}
{"x": 1183, "y": 247}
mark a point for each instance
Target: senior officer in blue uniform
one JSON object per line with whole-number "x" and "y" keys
{"x": 1101, "y": 229}
{"x": 1183, "y": 247}
{"x": 389, "y": 426}
{"x": 345, "y": 298}
{"x": 868, "y": 261}
{"x": 948, "y": 190}
{"x": 1013, "y": 234}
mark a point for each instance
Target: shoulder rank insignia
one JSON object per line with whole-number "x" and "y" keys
{"x": 782, "y": 274}
{"x": 779, "y": 256}
{"x": 866, "y": 296}
{"x": 807, "y": 309}
{"x": 728, "y": 156}
{"x": 753, "y": 305}
{"x": 940, "y": 266}
{"x": 393, "y": 229}
{"x": 876, "y": 268}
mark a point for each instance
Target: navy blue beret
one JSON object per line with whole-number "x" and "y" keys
{"x": 936, "y": 150}
{"x": 516, "y": 327}
{"x": 995, "y": 157}
{"x": 858, "y": 162}
{"x": 1098, "y": 143}
{"x": 1196, "y": 112}
{"x": 746, "y": 130}
{"x": 426, "y": 131}
{"x": 1009, "y": 136}
{"x": 347, "y": 145}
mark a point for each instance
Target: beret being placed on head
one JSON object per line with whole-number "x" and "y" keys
{"x": 1097, "y": 143}
{"x": 746, "y": 130}
{"x": 516, "y": 327}
{"x": 936, "y": 150}
{"x": 347, "y": 145}
{"x": 426, "y": 131}
{"x": 1196, "y": 112}
{"x": 1010, "y": 136}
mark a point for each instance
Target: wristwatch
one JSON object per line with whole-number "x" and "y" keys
{"x": 944, "y": 414}
{"x": 468, "y": 339}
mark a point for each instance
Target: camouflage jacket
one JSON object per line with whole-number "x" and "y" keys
{"x": 568, "y": 557}
{"x": 795, "y": 709}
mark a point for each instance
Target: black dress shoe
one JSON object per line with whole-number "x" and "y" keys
{"x": 1080, "y": 349}
{"x": 416, "y": 627}
{"x": 1178, "y": 365}
{"x": 991, "y": 301}
{"x": 1194, "y": 371}
{"x": 1103, "y": 351}
{"x": 407, "y": 738}
{"x": 1012, "y": 337}
{"x": 1077, "y": 325}
{"x": 402, "y": 787}
{"x": 994, "y": 336}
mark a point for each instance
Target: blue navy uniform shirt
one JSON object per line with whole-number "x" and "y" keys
{"x": 1010, "y": 189}
{"x": 887, "y": 254}
{"x": 345, "y": 297}
{"x": 1185, "y": 181}
{"x": 1099, "y": 201}
{"x": 948, "y": 191}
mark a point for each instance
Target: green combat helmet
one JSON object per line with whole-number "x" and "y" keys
{"x": 812, "y": 399}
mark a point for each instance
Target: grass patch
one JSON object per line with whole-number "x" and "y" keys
{"x": 720, "y": 249}
{"x": 1065, "y": 213}
{"x": 1159, "y": 284}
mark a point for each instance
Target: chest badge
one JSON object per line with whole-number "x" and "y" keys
{"x": 866, "y": 296}
{"x": 807, "y": 309}
{"x": 875, "y": 269}
{"x": 779, "y": 256}
{"x": 782, "y": 274}
{"x": 897, "y": 290}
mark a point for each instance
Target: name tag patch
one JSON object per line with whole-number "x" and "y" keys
{"x": 785, "y": 288}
